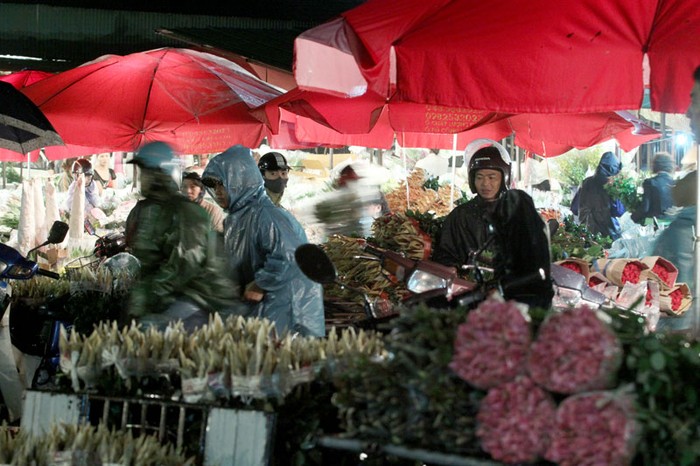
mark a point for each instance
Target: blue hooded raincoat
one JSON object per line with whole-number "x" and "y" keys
{"x": 260, "y": 239}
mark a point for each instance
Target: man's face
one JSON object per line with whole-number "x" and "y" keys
{"x": 191, "y": 189}
{"x": 693, "y": 112}
{"x": 221, "y": 196}
{"x": 276, "y": 174}
{"x": 488, "y": 183}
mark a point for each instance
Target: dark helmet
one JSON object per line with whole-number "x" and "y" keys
{"x": 492, "y": 157}
{"x": 272, "y": 161}
{"x": 82, "y": 166}
{"x": 158, "y": 156}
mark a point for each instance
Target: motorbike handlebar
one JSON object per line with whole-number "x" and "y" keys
{"x": 48, "y": 273}
{"x": 503, "y": 287}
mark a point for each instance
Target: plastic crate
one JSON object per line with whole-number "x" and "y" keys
{"x": 215, "y": 436}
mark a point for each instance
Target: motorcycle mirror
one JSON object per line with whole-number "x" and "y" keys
{"x": 315, "y": 264}
{"x": 57, "y": 233}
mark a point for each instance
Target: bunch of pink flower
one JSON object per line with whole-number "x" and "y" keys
{"x": 515, "y": 420}
{"x": 492, "y": 345}
{"x": 574, "y": 351}
{"x": 594, "y": 428}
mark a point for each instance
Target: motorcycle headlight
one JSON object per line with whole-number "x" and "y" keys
{"x": 3, "y": 267}
{"x": 422, "y": 281}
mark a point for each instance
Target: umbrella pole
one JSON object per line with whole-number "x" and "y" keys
{"x": 29, "y": 173}
{"x": 695, "y": 319}
{"x": 454, "y": 170}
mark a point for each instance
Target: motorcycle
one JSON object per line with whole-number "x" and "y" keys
{"x": 36, "y": 334}
{"x": 428, "y": 282}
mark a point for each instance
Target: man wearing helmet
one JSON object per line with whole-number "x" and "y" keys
{"x": 498, "y": 228}
{"x": 181, "y": 277}
{"x": 193, "y": 188}
{"x": 275, "y": 172}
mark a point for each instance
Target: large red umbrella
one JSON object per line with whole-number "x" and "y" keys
{"x": 195, "y": 101}
{"x": 510, "y": 56}
{"x": 300, "y": 118}
{"x": 24, "y": 78}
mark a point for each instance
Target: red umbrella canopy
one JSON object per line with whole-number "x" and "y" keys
{"x": 302, "y": 118}
{"x": 509, "y": 56}
{"x": 24, "y": 78}
{"x": 195, "y": 101}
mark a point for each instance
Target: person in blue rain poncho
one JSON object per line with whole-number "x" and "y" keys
{"x": 260, "y": 239}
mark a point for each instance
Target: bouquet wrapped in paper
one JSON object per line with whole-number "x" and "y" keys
{"x": 594, "y": 428}
{"x": 515, "y": 420}
{"x": 491, "y": 346}
{"x": 675, "y": 300}
{"x": 579, "y": 266}
{"x": 575, "y": 351}
{"x": 660, "y": 270}
{"x": 621, "y": 271}
{"x": 599, "y": 282}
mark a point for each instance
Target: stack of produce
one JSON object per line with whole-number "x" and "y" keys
{"x": 420, "y": 194}
{"x": 594, "y": 387}
{"x": 66, "y": 444}
{"x": 236, "y": 358}
{"x": 366, "y": 275}
{"x": 401, "y": 233}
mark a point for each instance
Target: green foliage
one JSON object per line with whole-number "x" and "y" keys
{"x": 574, "y": 240}
{"x": 626, "y": 189}
{"x": 12, "y": 175}
{"x": 571, "y": 168}
{"x": 665, "y": 372}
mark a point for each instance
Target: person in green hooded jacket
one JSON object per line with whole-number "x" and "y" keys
{"x": 182, "y": 277}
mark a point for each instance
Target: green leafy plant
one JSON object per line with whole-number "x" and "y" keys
{"x": 626, "y": 189}
{"x": 574, "y": 240}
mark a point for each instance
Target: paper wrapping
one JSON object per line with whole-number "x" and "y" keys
{"x": 649, "y": 274}
{"x": 612, "y": 269}
{"x": 26, "y": 231}
{"x": 77, "y": 211}
{"x": 582, "y": 265}
{"x": 666, "y": 299}
{"x": 39, "y": 213}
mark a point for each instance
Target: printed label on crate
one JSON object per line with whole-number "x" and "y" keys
{"x": 194, "y": 389}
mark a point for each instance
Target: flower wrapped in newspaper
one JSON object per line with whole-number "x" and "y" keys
{"x": 579, "y": 266}
{"x": 599, "y": 282}
{"x": 676, "y": 300}
{"x": 492, "y": 345}
{"x": 621, "y": 271}
{"x": 661, "y": 270}
{"x": 515, "y": 420}
{"x": 575, "y": 351}
{"x": 594, "y": 428}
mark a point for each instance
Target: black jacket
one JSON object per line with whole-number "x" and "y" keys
{"x": 520, "y": 245}
{"x": 656, "y": 198}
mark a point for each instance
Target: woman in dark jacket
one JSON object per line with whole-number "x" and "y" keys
{"x": 593, "y": 204}
{"x": 656, "y": 199}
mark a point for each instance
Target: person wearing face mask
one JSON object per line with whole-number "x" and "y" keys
{"x": 275, "y": 172}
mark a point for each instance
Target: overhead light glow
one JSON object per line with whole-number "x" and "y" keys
{"x": 682, "y": 139}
